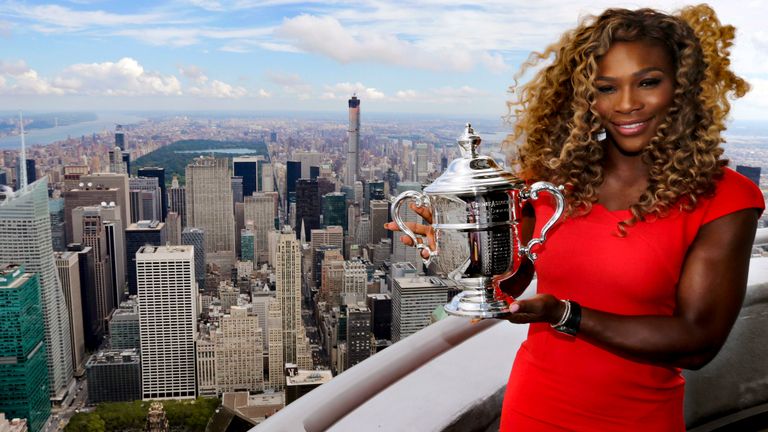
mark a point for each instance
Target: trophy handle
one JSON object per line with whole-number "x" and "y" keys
{"x": 533, "y": 193}
{"x": 421, "y": 200}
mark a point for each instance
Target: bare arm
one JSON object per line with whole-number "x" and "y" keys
{"x": 709, "y": 297}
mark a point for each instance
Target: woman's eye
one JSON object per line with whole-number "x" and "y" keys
{"x": 605, "y": 89}
{"x": 650, "y": 82}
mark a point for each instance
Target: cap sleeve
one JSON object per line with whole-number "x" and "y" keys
{"x": 733, "y": 192}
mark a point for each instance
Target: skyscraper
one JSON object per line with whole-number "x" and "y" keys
{"x": 111, "y": 180}
{"x": 308, "y": 207}
{"x": 69, "y": 273}
{"x": 239, "y": 363}
{"x": 353, "y": 142}
{"x": 178, "y": 200}
{"x": 335, "y": 210}
{"x": 379, "y": 216}
{"x": 23, "y": 375}
{"x": 259, "y": 210}
{"x": 159, "y": 174}
{"x": 89, "y": 230}
{"x": 276, "y": 347}
{"x": 120, "y": 137}
{"x": 167, "y": 321}
{"x": 288, "y": 280}
{"x": 145, "y": 199}
{"x": 93, "y": 331}
{"x": 413, "y": 300}
{"x": 140, "y": 234}
{"x": 292, "y": 175}
{"x": 209, "y": 206}
{"x": 25, "y": 238}
{"x": 247, "y": 167}
{"x": 196, "y": 237}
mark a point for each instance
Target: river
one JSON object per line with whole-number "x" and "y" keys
{"x": 104, "y": 122}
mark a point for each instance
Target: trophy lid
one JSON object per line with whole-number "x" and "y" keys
{"x": 472, "y": 172}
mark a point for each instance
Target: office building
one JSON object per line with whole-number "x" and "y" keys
{"x": 196, "y": 237}
{"x": 58, "y": 228}
{"x": 353, "y": 142}
{"x": 288, "y": 281}
{"x": 173, "y": 228}
{"x": 247, "y": 243}
{"x": 299, "y": 382}
{"x": 259, "y": 210}
{"x": 178, "y": 200}
{"x": 159, "y": 174}
{"x": 247, "y": 167}
{"x": 358, "y": 334}
{"x": 111, "y": 181}
{"x": 116, "y": 164}
{"x": 413, "y": 300}
{"x": 209, "y": 206}
{"x": 114, "y": 375}
{"x": 23, "y": 373}
{"x": 276, "y": 376}
{"x": 355, "y": 282}
{"x": 25, "y": 238}
{"x": 379, "y": 216}
{"x": 143, "y": 233}
{"x": 120, "y": 137}
{"x": 308, "y": 207}
{"x": 380, "y": 306}
{"x": 167, "y": 321}
{"x": 330, "y": 275}
{"x": 237, "y": 189}
{"x": 68, "y": 266}
{"x": 335, "y": 210}
{"x": 90, "y": 231}
{"x": 124, "y": 327}
{"x": 146, "y": 200}
{"x": 87, "y": 195}
{"x": 239, "y": 360}
{"x": 307, "y": 159}
{"x": 93, "y": 328}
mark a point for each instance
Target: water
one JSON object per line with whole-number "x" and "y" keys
{"x": 104, "y": 122}
{"x": 225, "y": 150}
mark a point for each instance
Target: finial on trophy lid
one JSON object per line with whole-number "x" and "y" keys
{"x": 469, "y": 142}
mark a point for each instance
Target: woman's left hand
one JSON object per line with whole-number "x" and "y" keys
{"x": 539, "y": 308}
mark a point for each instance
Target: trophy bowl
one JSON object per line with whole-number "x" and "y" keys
{"x": 476, "y": 217}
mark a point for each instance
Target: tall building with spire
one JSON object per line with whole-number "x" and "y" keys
{"x": 209, "y": 206}
{"x": 353, "y": 143}
{"x": 25, "y": 238}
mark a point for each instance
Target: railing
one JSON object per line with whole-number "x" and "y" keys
{"x": 451, "y": 375}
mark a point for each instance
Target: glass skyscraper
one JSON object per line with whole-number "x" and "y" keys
{"x": 25, "y": 238}
{"x": 23, "y": 373}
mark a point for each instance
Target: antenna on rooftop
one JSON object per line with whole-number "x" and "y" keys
{"x": 22, "y": 156}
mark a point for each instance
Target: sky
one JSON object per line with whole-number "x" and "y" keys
{"x": 431, "y": 56}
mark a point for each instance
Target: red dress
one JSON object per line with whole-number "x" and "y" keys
{"x": 561, "y": 383}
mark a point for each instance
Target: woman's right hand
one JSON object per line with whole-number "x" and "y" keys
{"x": 420, "y": 230}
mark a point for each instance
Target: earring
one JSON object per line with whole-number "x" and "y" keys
{"x": 601, "y": 134}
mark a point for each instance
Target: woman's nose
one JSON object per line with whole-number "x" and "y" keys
{"x": 627, "y": 101}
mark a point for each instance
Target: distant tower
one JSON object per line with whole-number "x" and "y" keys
{"x": 25, "y": 238}
{"x": 159, "y": 174}
{"x": 167, "y": 321}
{"x": 120, "y": 137}
{"x": 354, "y": 141}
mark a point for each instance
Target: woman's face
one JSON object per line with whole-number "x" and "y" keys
{"x": 635, "y": 86}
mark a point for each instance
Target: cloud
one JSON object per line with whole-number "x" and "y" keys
{"x": 441, "y": 95}
{"x": 264, "y": 94}
{"x": 13, "y": 68}
{"x": 126, "y": 77}
{"x": 292, "y": 84}
{"x": 218, "y": 89}
{"x": 345, "y": 90}
{"x": 54, "y": 18}
{"x": 5, "y": 29}
{"x": 193, "y": 73}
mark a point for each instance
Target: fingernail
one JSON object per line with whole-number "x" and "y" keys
{"x": 514, "y": 307}
{"x": 386, "y": 225}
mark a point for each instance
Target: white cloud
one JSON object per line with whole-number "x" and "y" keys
{"x": 441, "y": 95}
{"x": 193, "y": 73}
{"x": 218, "y": 89}
{"x": 292, "y": 84}
{"x": 345, "y": 89}
{"x": 14, "y": 67}
{"x": 264, "y": 94}
{"x": 5, "y": 29}
{"x": 125, "y": 77}
{"x": 54, "y": 18}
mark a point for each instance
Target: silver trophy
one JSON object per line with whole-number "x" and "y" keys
{"x": 476, "y": 216}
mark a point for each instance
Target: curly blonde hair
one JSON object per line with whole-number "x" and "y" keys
{"x": 556, "y": 122}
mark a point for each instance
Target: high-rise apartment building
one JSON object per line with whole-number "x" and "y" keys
{"x": 288, "y": 280}
{"x": 167, "y": 321}
{"x": 25, "y": 238}
{"x": 23, "y": 373}
{"x": 353, "y": 142}
{"x": 140, "y": 234}
{"x": 159, "y": 174}
{"x": 209, "y": 206}
{"x": 259, "y": 210}
{"x": 68, "y": 266}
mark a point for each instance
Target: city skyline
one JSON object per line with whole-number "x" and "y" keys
{"x": 437, "y": 56}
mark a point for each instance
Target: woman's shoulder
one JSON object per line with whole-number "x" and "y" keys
{"x": 733, "y": 192}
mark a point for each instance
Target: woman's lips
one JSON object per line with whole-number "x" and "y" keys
{"x": 630, "y": 129}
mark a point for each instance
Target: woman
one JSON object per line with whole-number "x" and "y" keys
{"x": 647, "y": 273}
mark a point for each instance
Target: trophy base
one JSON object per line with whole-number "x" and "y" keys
{"x": 473, "y": 304}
